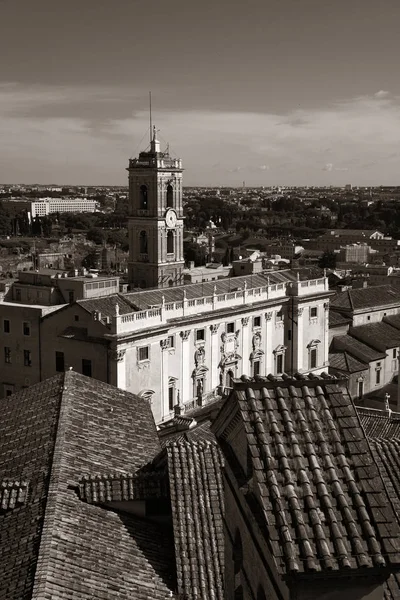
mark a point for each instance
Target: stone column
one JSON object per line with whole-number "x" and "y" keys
{"x": 269, "y": 357}
{"x": 164, "y": 345}
{"x": 245, "y": 350}
{"x": 325, "y": 358}
{"x": 299, "y": 355}
{"x": 215, "y": 358}
{"x": 186, "y": 383}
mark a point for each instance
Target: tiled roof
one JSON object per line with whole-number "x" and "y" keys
{"x": 379, "y": 335}
{"x": 148, "y": 298}
{"x": 379, "y": 423}
{"x": 363, "y": 298}
{"x": 324, "y": 503}
{"x": 27, "y": 433}
{"x": 343, "y": 361}
{"x": 337, "y": 320}
{"x": 103, "y": 489}
{"x": 363, "y": 352}
{"x": 53, "y": 434}
{"x": 195, "y": 472}
{"x": 393, "y": 320}
{"x": 106, "y": 305}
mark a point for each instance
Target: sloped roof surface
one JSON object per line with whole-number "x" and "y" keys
{"x": 27, "y": 432}
{"x": 324, "y": 503}
{"x": 363, "y": 298}
{"x": 379, "y": 424}
{"x": 56, "y": 432}
{"x": 337, "y": 320}
{"x": 355, "y": 347}
{"x": 106, "y": 305}
{"x": 379, "y": 335}
{"x": 393, "y": 320}
{"x": 195, "y": 471}
{"x": 146, "y": 299}
{"x": 343, "y": 361}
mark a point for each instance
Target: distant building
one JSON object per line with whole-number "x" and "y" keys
{"x": 42, "y": 208}
{"x": 354, "y": 253}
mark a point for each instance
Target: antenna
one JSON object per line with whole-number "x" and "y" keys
{"x": 151, "y": 123}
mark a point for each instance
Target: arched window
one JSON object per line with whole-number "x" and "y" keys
{"x": 170, "y": 196}
{"x": 261, "y": 594}
{"x": 143, "y": 242}
{"x": 170, "y": 242}
{"x": 143, "y": 197}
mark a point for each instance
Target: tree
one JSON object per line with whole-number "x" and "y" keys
{"x": 328, "y": 260}
{"x": 96, "y": 235}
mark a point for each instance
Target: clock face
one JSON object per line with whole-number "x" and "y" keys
{"x": 170, "y": 218}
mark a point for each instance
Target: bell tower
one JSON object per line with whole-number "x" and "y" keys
{"x": 155, "y": 218}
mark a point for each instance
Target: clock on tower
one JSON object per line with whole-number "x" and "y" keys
{"x": 155, "y": 218}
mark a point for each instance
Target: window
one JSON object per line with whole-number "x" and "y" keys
{"x": 7, "y": 355}
{"x": 143, "y": 197}
{"x": 313, "y": 312}
{"x": 60, "y": 362}
{"x": 170, "y": 196}
{"x": 360, "y": 389}
{"x": 289, "y": 335}
{"x": 279, "y": 315}
{"x": 200, "y": 336}
{"x": 394, "y": 352}
{"x": 71, "y": 297}
{"x": 27, "y": 358}
{"x": 171, "y": 341}
{"x": 8, "y": 389}
{"x": 143, "y": 353}
{"x": 6, "y": 326}
{"x": 171, "y": 397}
{"x": 256, "y": 368}
{"x": 368, "y": 318}
{"x": 378, "y": 375}
{"x": 76, "y": 317}
{"x": 230, "y": 327}
{"x": 26, "y": 328}
{"x": 170, "y": 242}
{"x": 143, "y": 247}
{"x": 279, "y": 363}
{"x": 257, "y": 322}
{"x": 313, "y": 358}
{"x": 18, "y": 294}
{"x": 86, "y": 367}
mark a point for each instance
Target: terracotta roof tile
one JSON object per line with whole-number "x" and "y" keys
{"x": 369, "y": 297}
{"x": 380, "y": 335}
{"x": 379, "y": 423}
{"x": 356, "y": 348}
{"x": 146, "y": 299}
{"x": 343, "y": 361}
{"x": 195, "y": 471}
{"x": 309, "y": 483}
{"x": 55, "y": 545}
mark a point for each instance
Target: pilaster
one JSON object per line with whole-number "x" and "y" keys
{"x": 246, "y": 349}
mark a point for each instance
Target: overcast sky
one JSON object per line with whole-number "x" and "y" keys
{"x": 290, "y": 92}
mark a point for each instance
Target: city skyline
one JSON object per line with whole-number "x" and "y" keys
{"x": 285, "y": 93}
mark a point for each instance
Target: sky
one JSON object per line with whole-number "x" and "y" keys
{"x": 270, "y": 92}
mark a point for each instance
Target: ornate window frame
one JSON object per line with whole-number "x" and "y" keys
{"x": 313, "y": 347}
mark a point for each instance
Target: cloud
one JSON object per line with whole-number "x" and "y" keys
{"x": 86, "y": 135}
